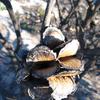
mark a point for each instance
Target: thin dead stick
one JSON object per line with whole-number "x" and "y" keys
{"x": 90, "y": 18}
{"x": 15, "y": 23}
{"x": 92, "y": 52}
{"x": 91, "y": 4}
{"x": 47, "y": 16}
{"x": 87, "y": 67}
{"x": 95, "y": 70}
{"x": 2, "y": 39}
{"x": 60, "y": 16}
{"x": 9, "y": 47}
{"x": 66, "y": 20}
{"x": 4, "y": 43}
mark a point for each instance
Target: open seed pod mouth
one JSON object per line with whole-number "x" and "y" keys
{"x": 40, "y": 92}
{"x": 22, "y": 75}
{"x": 70, "y": 49}
{"x": 68, "y": 73}
{"x": 52, "y": 42}
{"x": 52, "y": 37}
{"x": 44, "y": 69}
{"x": 36, "y": 82}
{"x": 70, "y": 63}
{"x": 59, "y": 47}
{"x": 41, "y": 64}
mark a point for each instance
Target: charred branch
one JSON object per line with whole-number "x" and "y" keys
{"x": 47, "y": 16}
{"x": 66, "y": 20}
{"x": 14, "y": 21}
{"x": 4, "y": 43}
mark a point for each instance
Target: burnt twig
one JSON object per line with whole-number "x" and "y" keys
{"x": 60, "y": 16}
{"x": 4, "y": 43}
{"x": 14, "y": 21}
{"x": 66, "y": 20}
{"x": 90, "y": 15}
{"x": 92, "y": 52}
{"x": 47, "y": 16}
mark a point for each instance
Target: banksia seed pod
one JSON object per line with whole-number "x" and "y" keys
{"x": 42, "y": 62}
{"x": 65, "y": 56}
{"x": 39, "y": 54}
{"x": 70, "y": 63}
{"x": 69, "y": 49}
{"x": 62, "y": 86}
{"x": 53, "y": 37}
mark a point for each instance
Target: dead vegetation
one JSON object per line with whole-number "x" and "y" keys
{"x": 77, "y": 19}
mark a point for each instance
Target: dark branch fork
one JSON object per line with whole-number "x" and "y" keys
{"x": 4, "y": 43}
{"x": 12, "y": 51}
{"x": 15, "y": 23}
